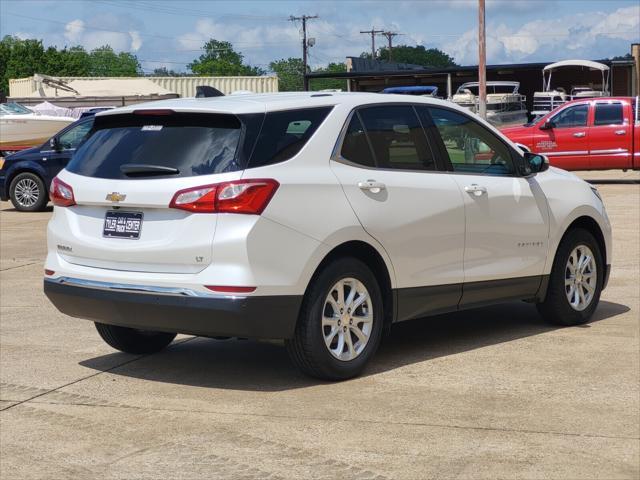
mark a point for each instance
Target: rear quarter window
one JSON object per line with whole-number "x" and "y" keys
{"x": 284, "y": 133}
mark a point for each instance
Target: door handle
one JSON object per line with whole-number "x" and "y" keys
{"x": 476, "y": 189}
{"x": 372, "y": 186}
{"x": 620, "y": 132}
{"x": 579, "y": 134}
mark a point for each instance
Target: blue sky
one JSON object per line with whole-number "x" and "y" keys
{"x": 171, "y": 33}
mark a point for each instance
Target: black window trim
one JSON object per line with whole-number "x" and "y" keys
{"x": 337, "y": 148}
{"x": 516, "y": 157}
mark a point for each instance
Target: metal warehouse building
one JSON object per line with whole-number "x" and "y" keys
{"x": 372, "y": 76}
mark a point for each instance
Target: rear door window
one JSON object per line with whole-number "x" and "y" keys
{"x": 284, "y": 134}
{"x": 191, "y": 144}
{"x": 397, "y": 138}
{"x": 355, "y": 146}
{"x": 608, "y": 114}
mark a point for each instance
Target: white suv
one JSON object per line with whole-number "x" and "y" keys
{"x": 320, "y": 219}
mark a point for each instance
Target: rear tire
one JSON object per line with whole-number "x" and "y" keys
{"x": 130, "y": 340}
{"x": 575, "y": 282}
{"x": 338, "y": 333}
{"x": 28, "y": 192}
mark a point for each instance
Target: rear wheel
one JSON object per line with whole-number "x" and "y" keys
{"x": 576, "y": 280}
{"x": 131, "y": 340}
{"x": 28, "y": 192}
{"x": 340, "y": 323}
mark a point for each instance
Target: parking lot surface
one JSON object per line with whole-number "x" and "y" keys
{"x": 489, "y": 393}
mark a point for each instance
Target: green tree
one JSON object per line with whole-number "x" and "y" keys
{"x": 104, "y": 62}
{"x": 164, "y": 72}
{"x": 19, "y": 58}
{"x": 329, "y": 83}
{"x": 418, "y": 55}
{"x": 220, "y": 59}
{"x": 68, "y": 62}
{"x": 289, "y": 73}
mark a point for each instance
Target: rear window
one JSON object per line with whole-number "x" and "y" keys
{"x": 608, "y": 114}
{"x": 188, "y": 144}
{"x": 284, "y": 134}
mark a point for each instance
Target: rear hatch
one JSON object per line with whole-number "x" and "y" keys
{"x": 123, "y": 180}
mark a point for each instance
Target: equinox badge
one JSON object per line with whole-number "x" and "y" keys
{"x": 115, "y": 197}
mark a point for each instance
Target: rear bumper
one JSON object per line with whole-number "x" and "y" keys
{"x": 272, "y": 317}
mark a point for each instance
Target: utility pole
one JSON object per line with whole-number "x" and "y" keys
{"x": 390, "y": 36}
{"x": 373, "y": 32}
{"x": 482, "y": 61}
{"x": 305, "y": 46}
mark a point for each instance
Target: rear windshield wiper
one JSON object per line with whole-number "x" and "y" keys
{"x": 143, "y": 169}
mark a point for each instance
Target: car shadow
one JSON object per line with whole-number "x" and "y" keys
{"x": 10, "y": 208}
{"x": 263, "y": 366}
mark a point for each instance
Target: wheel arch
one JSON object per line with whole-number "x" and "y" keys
{"x": 589, "y": 224}
{"x": 25, "y": 168}
{"x": 370, "y": 256}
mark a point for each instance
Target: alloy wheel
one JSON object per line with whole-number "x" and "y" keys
{"x": 26, "y": 192}
{"x": 580, "y": 278}
{"x": 347, "y": 319}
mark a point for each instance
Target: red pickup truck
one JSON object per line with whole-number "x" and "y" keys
{"x": 587, "y": 134}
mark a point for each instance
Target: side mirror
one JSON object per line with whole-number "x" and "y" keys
{"x": 548, "y": 125}
{"x": 534, "y": 163}
{"x": 53, "y": 143}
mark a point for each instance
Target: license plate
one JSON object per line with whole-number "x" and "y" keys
{"x": 122, "y": 224}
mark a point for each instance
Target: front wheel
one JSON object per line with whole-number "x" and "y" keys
{"x": 576, "y": 280}
{"x": 28, "y": 192}
{"x": 131, "y": 340}
{"x": 340, "y": 323}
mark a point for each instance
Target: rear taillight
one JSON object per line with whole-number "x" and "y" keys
{"x": 240, "y": 196}
{"x": 61, "y": 194}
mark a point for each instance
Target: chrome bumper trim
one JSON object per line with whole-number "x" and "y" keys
{"x": 125, "y": 287}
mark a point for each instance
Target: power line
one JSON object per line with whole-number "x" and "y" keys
{"x": 373, "y": 32}
{"x": 305, "y": 45}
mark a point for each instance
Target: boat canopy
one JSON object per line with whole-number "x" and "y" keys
{"x": 413, "y": 90}
{"x": 576, "y": 63}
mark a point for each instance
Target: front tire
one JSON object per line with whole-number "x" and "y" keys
{"x": 28, "y": 192}
{"x": 340, "y": 323}
{"x": 576, "y": 280}
{"x": 131, "y": 340}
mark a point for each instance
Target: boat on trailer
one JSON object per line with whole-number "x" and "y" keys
{"x": 21, "y": 127}
{"x": 505, "y": 106}
{"x": 551, "y": 97}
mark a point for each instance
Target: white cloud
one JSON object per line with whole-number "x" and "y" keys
{"x": 136, "y": 41}
{"x": 78, "y": 32}
{"x": 73, "y": 30}
{"x": 592, "y": 35}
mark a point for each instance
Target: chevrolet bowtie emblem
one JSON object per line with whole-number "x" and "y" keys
{"x": 115, "y": 197}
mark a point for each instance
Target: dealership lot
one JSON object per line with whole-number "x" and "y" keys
{"x": 488, "y": 393}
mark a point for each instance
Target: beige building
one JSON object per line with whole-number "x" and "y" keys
{"x": 119, "y": 91}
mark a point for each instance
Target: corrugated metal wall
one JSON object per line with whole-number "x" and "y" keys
{"x": 183, "y": 86}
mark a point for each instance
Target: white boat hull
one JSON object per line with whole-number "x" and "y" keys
{"x": 30, "y": 130}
